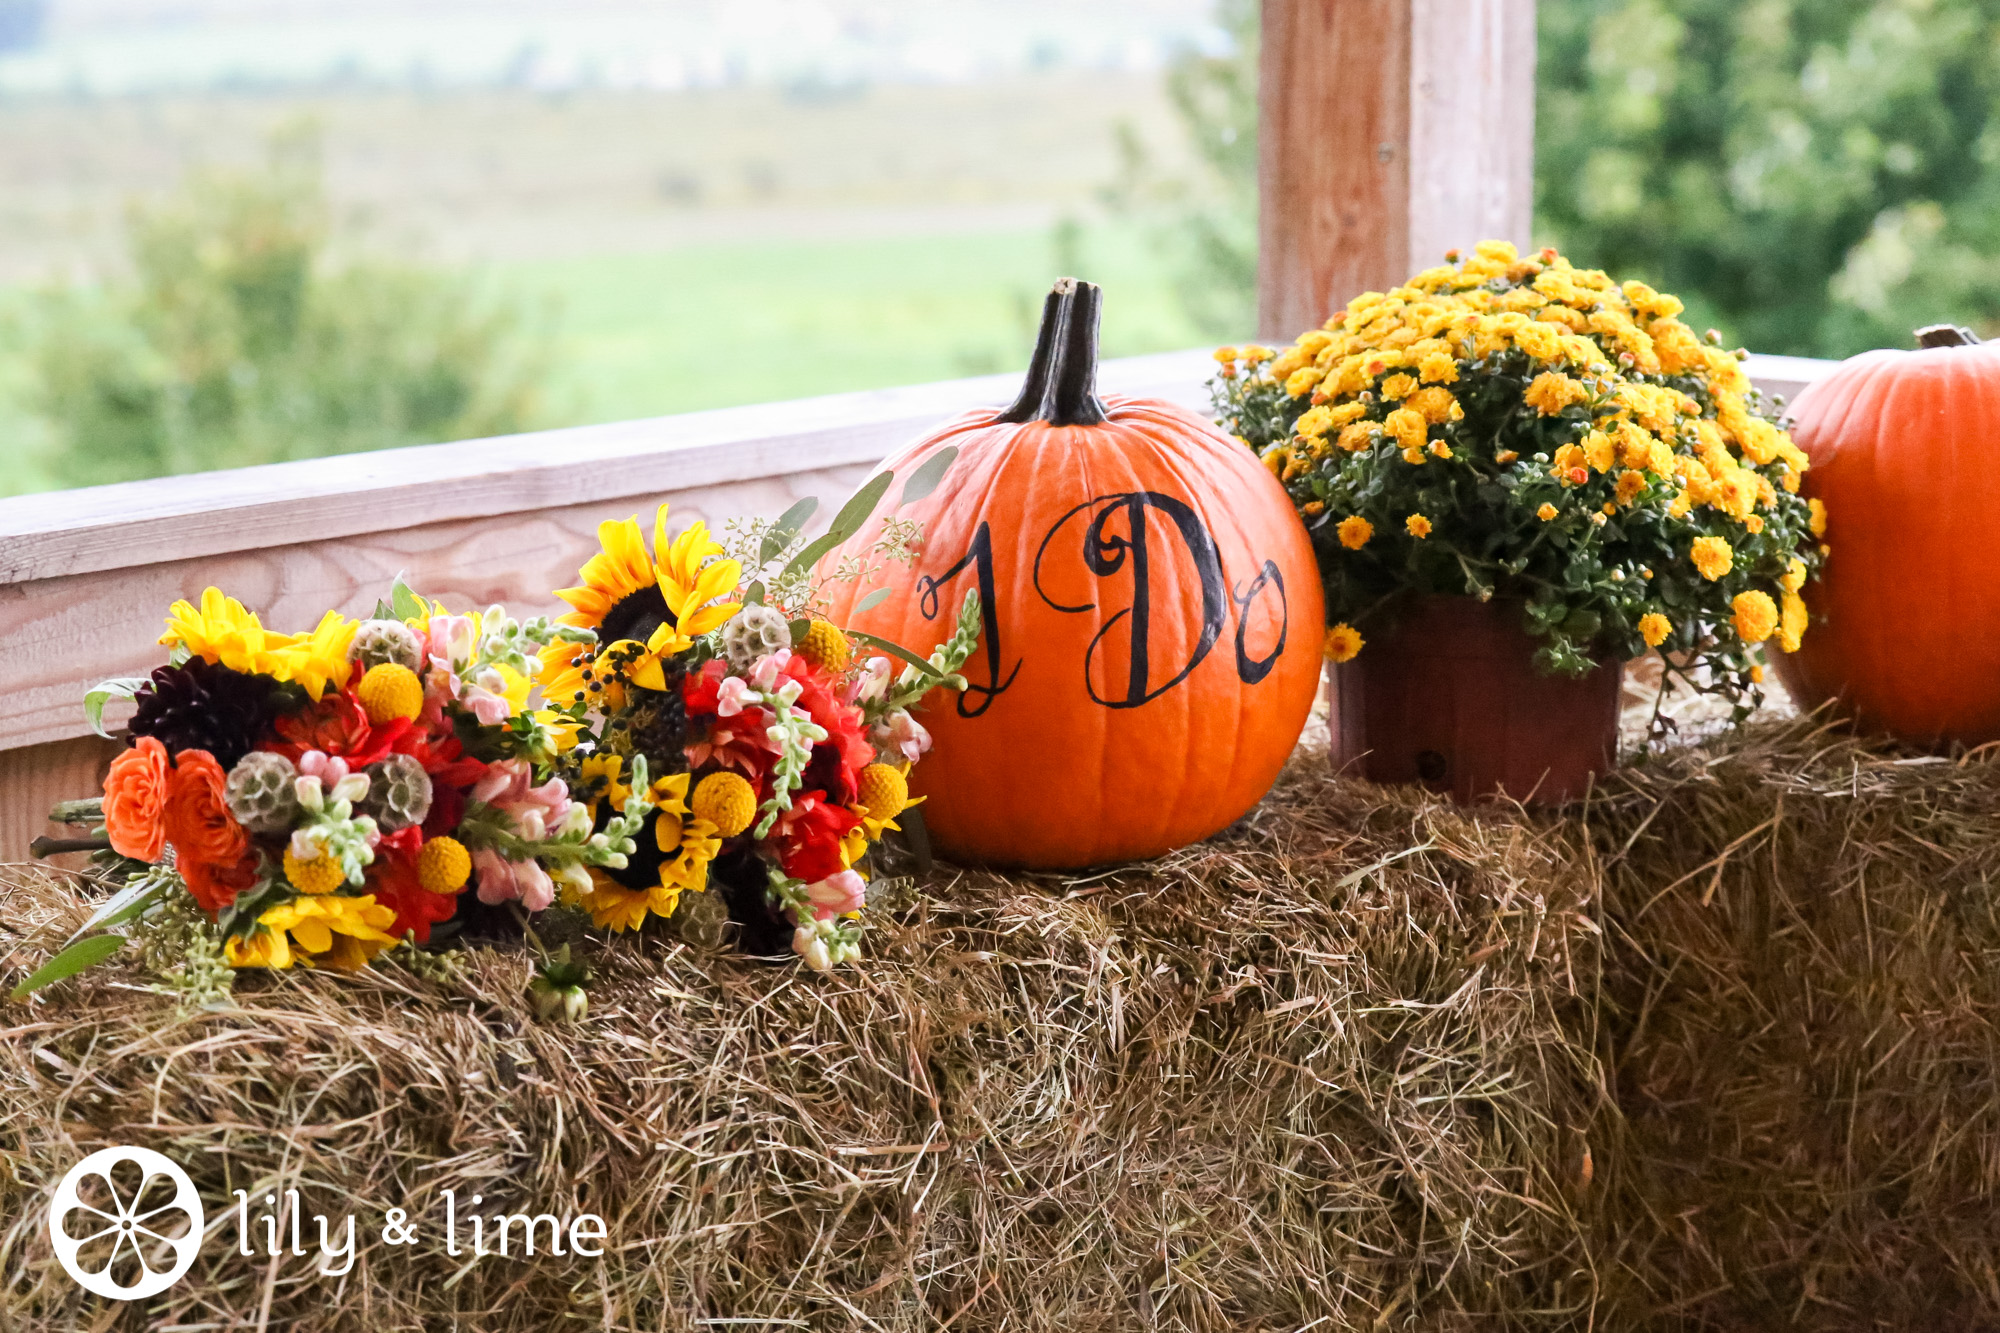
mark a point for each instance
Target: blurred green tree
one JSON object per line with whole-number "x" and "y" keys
{"x": 1816, "y": 176}
{"x": 1813, "y": 176}
{"x": 241, "y": 337}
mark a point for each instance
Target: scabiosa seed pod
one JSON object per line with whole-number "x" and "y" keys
{"x": 262, "y": 794}
{"x": 754, "y": 632}
{"x": 399, "y": 792}
{"x": 380, "y": 641}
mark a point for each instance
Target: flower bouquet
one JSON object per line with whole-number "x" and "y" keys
{"x": 317, "y": 798}
{"x": 758, "y": 751}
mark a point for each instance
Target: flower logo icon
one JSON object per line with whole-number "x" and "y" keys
{"x": 126, "y": 1223}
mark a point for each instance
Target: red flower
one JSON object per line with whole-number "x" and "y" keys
{"x": 338, "y": 726}
{"x": 701, "y": 690}
{"x": 838, "y": 760}
{"x": 394, "y": 881}
{"x": 808, "y": 836}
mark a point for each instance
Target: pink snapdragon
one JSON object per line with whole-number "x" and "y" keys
{"x": 838, "y": 893}
{"x": 501, "y": 880}
{"x": 899, "y": 733}
{"x": 537, "y": 813}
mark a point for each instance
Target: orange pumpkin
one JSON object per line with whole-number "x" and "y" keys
{"x": 1152, "y": 618}
{"x": 1906, "y": 613}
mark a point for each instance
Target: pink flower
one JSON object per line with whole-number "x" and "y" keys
{"x": 534, "y": 811}
{"x": 844, "y": 892}
{"x": 495, "y": 874}
{"x": 764, "y": 675}
{"x": 902, "y": 734}
{"x": 873, "y": 682}
{"x": 730, "y": 696}
{"x": 452, "y": 641}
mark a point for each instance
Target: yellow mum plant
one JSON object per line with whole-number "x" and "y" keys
{"x": 1517, "y": 427}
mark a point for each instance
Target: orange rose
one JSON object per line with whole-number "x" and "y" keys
{"x": 212, "y": 850}
{"x": 135, "y": 792}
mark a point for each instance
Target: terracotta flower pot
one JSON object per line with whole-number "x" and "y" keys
{"x": 1450, "y": 697}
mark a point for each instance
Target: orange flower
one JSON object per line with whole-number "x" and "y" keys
{"x": 135, "y": 793}
{"x": 211, "y": 849}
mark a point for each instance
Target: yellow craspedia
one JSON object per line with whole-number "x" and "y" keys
{"x": 1354, "y": 532}
{"x": 1654, "y": 628}
{"x": 824, "y": 646}
{"x": 884, "y": 790}
{"x": 1342, "y": 643}
{"x": 1712, "y": 556}
{"x": 444, "y": 865}
{"x": 1756, "y": 615}
{"x": 322, "y": 874}
{"x": 389, "y": 691}
{"x": 726, "y": 800}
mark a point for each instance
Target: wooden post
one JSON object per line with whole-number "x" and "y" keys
{"x": 1390, "y": 132}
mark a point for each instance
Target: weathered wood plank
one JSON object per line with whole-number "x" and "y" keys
{"x": 142, "y": 523}
{"x": 1390, "y": 131}
{"x": 34, "y": 778}
{"x": 1333, "y": 153}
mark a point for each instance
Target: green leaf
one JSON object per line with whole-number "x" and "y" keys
{"x": 120, "y": 907}
{"x": 859, "y": 506}
{"x": 118, "y": 687}
{"x": 800, "y": 628}
{"x": 926, "y": 478}
{"x": 72, "y": 960}
{"x": 873, "y": 599}
{"x": 809, "y": 557}
{"x": 754, "y": 594}
{"x": 786, "y": 529}
{"x": 899, "y": 650}
{"x": 407, "y": 605}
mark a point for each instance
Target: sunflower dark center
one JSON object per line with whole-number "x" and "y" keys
{"x": 635, "y": 616}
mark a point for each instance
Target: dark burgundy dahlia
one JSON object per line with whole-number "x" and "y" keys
{"x": 201, "y": 705}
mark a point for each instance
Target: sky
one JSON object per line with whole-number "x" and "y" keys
{"x": 127, "y": 47}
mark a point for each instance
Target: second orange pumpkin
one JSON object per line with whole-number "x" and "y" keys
{"x": 1152, "y": 618}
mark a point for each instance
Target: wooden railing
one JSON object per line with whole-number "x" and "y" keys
{"x": 86, "y": 575}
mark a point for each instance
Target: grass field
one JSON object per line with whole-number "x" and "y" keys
{"x": 716, "y": 325}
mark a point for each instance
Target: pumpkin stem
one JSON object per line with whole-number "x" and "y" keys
{"x": 1946, "y": 335}
{"x": 1061, "y": 387}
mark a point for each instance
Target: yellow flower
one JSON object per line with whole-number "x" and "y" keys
{"x": 612, "y": 906}
{"x": 1756, "y": 616}
{"x": 1551, "y": 392}
{"x": 1314, "y": 422}
{"x": 1398, "y": 387}
{"x": 1342, "y": 643}
{"x": 1438, "y": 368}
{"x": 1417, "y": 526}
{"x": 342, "y": 933}
{"x": 1630, "y": 486}
{"x": 1654, "y": 628}
{"x": 1436, "y": 404}
{"x": 1712, "y": 557}
{"x": 1354, "y": 532}
{"x": 1599, "y": 451}
{"x": 1357, "y": 436}
{"x": 1792, "y": 620}
{"x": 1795, "y": 575}
{"x": 1225, "y": 355}
{"x": 220, "y": 630}
{"x": 1408, "y": 426}
{"x": 1546, "y": 512}
{"x": 1817, "y": 521}
{"x": 1439, "y": 449}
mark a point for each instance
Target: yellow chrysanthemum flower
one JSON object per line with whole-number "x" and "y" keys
{"x": 1341, "y": 644}
{"x": 1712, "y": 557}
{"x": 1792, "y": 620}
{"x": 1417, "y": 526}
{"x": 1354, "y": 532}
{"x": 1546, "y": 512}
{"x": 1654, "y": 628}
{"x": 1755, "y": 615}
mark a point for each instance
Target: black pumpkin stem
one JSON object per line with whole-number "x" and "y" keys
{"x": 1061, "y": 387}
{"x": 1946, "y": 335}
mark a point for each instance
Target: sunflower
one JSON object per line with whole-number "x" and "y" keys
{"x": 646, "y": 607}
{"x": 341, "y": 932}
{"x": 223, "y": 632}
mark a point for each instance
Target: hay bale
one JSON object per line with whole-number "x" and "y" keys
{"x": 1299, "y": 1071}
{"x": 1715, "y": 1051}
{"x": 1801, "y": 1017}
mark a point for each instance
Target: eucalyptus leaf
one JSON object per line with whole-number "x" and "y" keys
{"x": 407, "y": 605}
{"x": 809, "y": 557}
{"x": 754, "y": 594}
{"x": 926, "y": 478}
{"x": 72, "y": 960}
{"x": 118, "y": 687}
{"x": 898, "y": 650}
{"x": 789, "y": 525}
{"x": 800, "y": 628}
{"x": 873, "y": 599}
{"x": 860, "y": 505}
